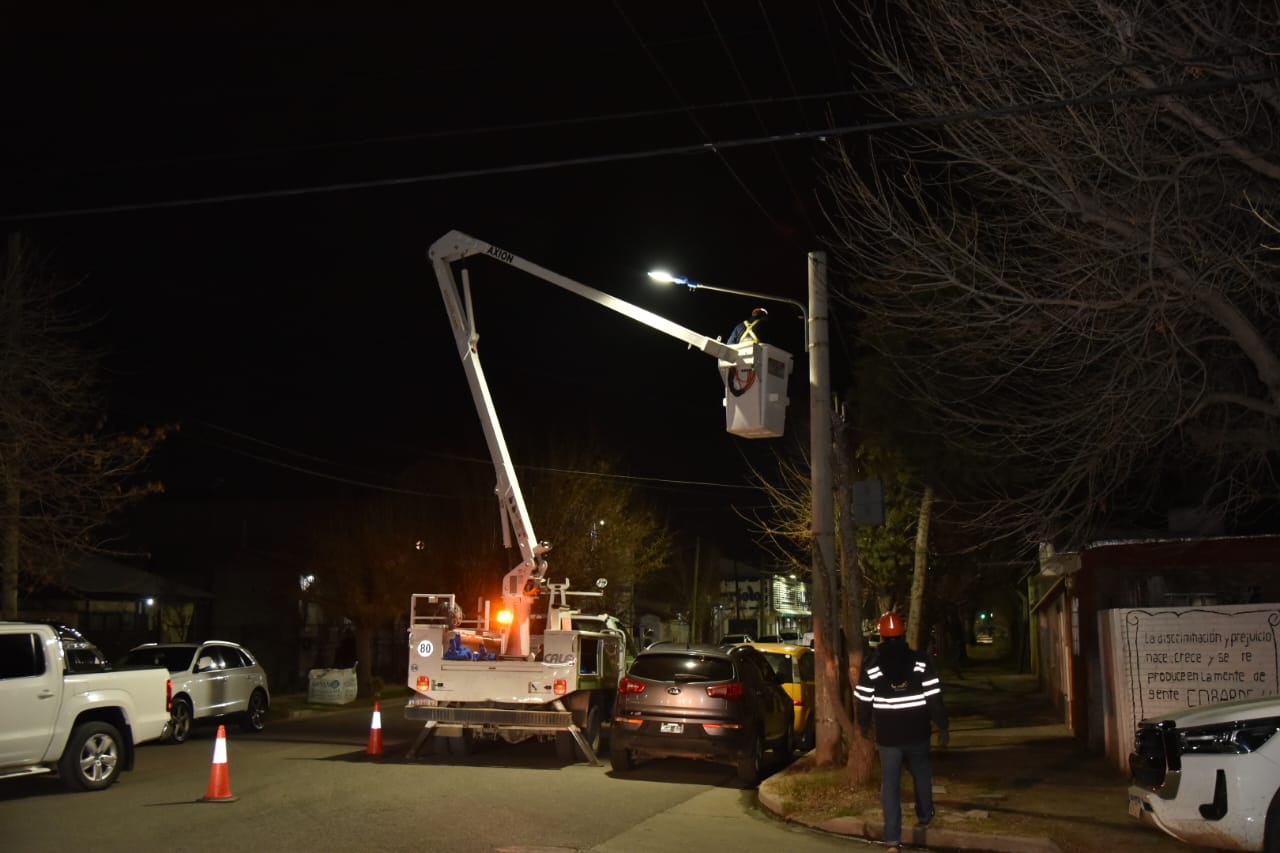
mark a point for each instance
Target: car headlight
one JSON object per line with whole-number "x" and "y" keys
{"x": 1227, "y": 738}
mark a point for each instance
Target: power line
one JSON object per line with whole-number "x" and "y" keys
{"x": 663, "y": 481}
{"x": 737, "y": 72}
{"x": 311, "y": 472}
{"x": 920, "y": 84}
{"x": 716, "y": 147}
{"x": 694, "y": 120}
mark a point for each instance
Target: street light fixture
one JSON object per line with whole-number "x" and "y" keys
{"x": 664, "y": 277}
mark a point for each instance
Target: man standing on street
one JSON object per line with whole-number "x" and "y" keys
{"x": 900, "y": 692}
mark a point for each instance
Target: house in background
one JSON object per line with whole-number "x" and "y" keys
{"x": 1126, "y": 629}
{"x": 118, "y": 606}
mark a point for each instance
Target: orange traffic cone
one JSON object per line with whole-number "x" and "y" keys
{"x": 375, "y": 731}
{"x": 219, "y": 781}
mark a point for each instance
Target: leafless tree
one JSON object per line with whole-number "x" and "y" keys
{"x": 368, "y": 558}
{"x": 599, "y": 526}
{"x": 1057, "y": 253}
{"x": 62, "y": 475}
{"x": 787, "y": 531}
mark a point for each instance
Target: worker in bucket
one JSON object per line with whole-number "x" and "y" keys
{"x": 745, "y": 332}
{"x": 900, "y": 694}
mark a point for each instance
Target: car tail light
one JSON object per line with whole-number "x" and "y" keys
{"x": 799, "y": 703}
{"x": 559, "y": 687}
{"x": 731, "y": 690}
{"x": 424, "y": 684}
{"x": 630, "y": 685}
{"x": 168, "y": 694}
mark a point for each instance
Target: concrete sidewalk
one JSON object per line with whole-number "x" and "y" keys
{"x": 1013, "y": 779}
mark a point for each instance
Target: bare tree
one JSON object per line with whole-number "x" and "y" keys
{"x": 1058, "y": 254}
{"x": 787, "y": 531}
{"x": 368, "y": 558}
{"x": 63, "y": 476}
{"x": 599, "y": 526}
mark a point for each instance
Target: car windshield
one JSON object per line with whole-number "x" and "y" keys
{"x": 172, "y": 658}
{"x": 682, "y": 667}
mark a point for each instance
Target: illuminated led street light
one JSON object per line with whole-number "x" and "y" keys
{"x": 664, "y": 277}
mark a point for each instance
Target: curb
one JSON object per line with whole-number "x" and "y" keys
{"x": 935, "y": 837}
{"x": 319, "y": 709}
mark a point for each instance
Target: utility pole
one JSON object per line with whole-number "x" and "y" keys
{"x": 825, "y": 626}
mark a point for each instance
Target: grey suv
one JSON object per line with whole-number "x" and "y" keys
{"x": 706, "y": 702}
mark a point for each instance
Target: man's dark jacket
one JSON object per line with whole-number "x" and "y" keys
{"x": 900, "y": 690}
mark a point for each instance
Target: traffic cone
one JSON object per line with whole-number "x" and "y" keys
{"x": 219, "y": 780}
{"x": 375, "y": 731}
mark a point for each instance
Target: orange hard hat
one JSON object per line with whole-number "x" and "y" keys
{"x": 891, "y": 625}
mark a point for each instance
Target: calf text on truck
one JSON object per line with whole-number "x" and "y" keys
{"x": 492, "y": 676}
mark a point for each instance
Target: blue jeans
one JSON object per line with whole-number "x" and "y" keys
{"x": 891, "y": 759}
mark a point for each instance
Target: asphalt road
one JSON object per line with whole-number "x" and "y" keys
{"x": 307, "y": 784}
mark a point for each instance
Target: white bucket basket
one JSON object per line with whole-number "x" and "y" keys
{"x": 755, "y": 395}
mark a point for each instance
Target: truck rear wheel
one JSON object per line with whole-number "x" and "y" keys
{"x": 92, "y": 758}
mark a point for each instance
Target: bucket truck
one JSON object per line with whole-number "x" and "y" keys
{"x": 514, "y": 673}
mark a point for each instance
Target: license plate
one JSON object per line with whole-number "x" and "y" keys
{"x": 672, "y": 728}
{"x": 1135, "y": 807}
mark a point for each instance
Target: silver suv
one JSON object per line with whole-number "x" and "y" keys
{"x": 211, "y": 681}
{"x": 705, "y": 702}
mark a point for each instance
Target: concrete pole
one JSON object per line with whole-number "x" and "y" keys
{"x": 820, "y": 414}
{"x": 825, "y": 628}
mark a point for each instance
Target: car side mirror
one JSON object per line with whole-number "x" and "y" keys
{"x": 204, "y": 663}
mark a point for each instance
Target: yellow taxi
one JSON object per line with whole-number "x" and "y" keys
{"x": 794, "y": 666}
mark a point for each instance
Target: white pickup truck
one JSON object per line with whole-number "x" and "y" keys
{"x": 81, "y": 725}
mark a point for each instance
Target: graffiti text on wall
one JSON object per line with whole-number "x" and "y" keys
{"x": 1194, "y": 656}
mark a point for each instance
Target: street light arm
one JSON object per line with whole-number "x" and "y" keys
{"x": 796, "y": 303}
{"x": 664, "y": 277}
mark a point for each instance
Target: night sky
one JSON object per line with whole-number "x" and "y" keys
{"x": 248, "y": 199}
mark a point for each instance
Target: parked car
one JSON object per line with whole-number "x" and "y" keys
{"x": 793, "y": 665}
{"x": 81, "y": 725}
{"x": 721, "y": 704}
{"x": 734, "y": 639}
{"x": 1210, "y": 775}
{"x": 211, "y": 681}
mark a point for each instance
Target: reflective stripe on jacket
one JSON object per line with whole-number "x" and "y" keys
{"x": 903, "y": 712}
